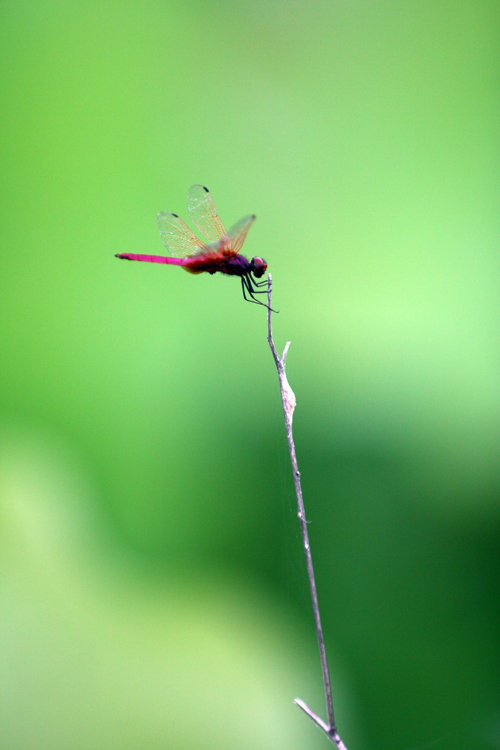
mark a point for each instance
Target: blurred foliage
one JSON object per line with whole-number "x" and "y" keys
{"x": 153, "y": 588}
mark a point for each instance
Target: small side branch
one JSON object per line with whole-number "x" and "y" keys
{"x": 289, "y": 401}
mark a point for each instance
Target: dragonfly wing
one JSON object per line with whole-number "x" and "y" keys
{"x": 203, "y": 213}
{"x": 238, "y": 233}
{"x": 177, "y": 236}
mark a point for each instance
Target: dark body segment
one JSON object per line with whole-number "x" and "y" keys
{"x": 229, "y": 263}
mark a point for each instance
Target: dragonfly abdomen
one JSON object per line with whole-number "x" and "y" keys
{"x": 152, "y": 258}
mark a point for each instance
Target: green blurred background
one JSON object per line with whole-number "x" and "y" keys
{"x": 153, "y": 589}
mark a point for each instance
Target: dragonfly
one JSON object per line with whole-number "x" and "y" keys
{"x": 220, "y": 252}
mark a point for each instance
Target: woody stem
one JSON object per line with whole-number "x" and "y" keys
{"x": 288, "y": 399}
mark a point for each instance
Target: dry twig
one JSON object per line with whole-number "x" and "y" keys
{"x": 288, "y": 398}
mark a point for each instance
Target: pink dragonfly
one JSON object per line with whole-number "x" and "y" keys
{"x": 220, "y": 252}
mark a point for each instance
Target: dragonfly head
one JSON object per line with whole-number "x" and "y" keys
{"x": 258, "y": 267}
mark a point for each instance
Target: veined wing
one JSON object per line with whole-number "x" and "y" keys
{"x": 203, "y": 213}
{"x": 177, "y": 236}
{"x": 238, "y": 233}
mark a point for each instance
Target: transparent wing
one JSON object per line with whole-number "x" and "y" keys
{"x": 238, "y": 233}
{"x": 203, "y": 213}
{"x": 177, "y": 236}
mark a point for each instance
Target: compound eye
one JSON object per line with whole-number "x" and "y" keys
{"x": 259, "y": 267}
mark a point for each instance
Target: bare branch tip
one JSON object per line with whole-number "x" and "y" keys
{"x": 285, "y": 352}
{"x": 321, "y": 724}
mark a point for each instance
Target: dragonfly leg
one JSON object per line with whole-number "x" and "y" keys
{"x": 251, "y": 284}
{"x": 247, "y": 284}
{"x": 243, "y": 286}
